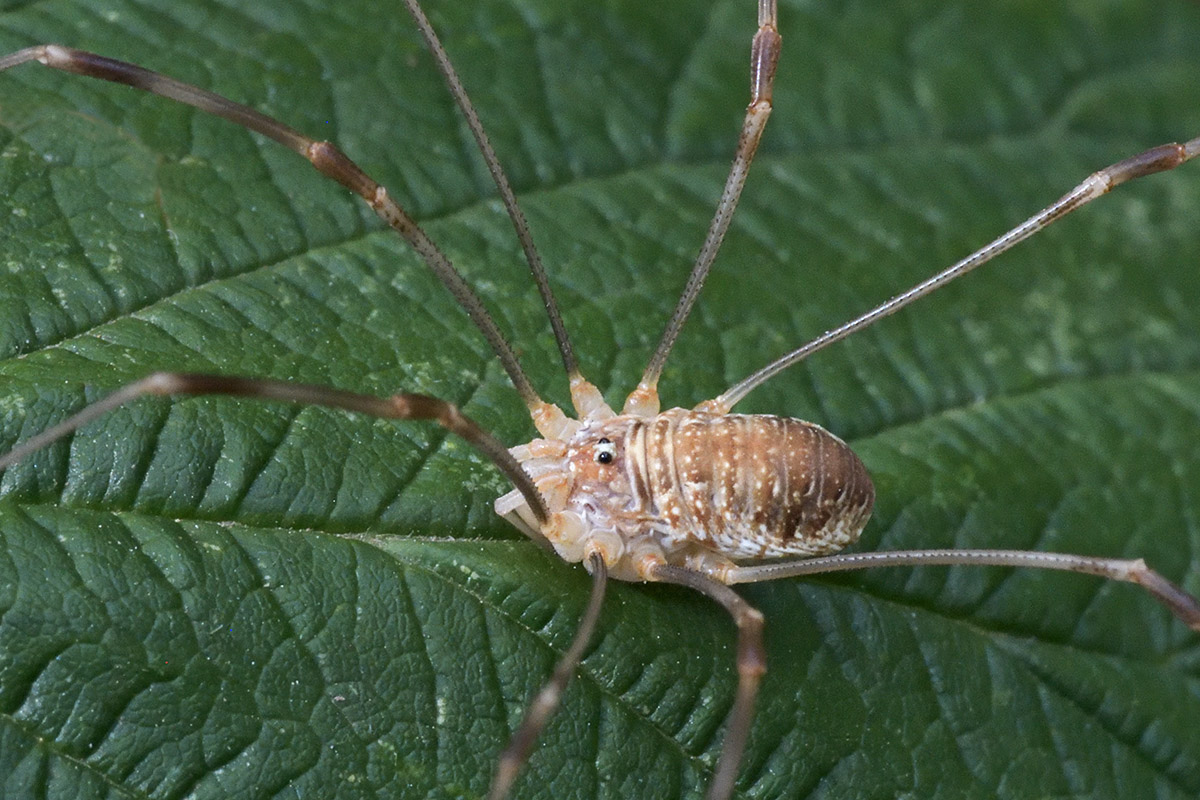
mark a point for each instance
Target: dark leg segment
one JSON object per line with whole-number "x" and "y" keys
{"x": 751, "y": 666}
{"x": 501, "y": 180}
{"x": 324, "y": 156}
{"x": 548, "y": 698}
{"x": 398, "y": 406}
{"x": 764, "y": 55}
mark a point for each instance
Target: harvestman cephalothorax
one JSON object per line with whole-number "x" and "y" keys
{"x": 698, "y": 498}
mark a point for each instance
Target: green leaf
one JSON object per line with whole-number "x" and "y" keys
{"x": 214, "y": 597}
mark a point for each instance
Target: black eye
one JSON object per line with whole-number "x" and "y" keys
{"x": 605, "y": 451}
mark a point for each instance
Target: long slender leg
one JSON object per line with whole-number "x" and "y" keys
{"x": 327, "y": 158}
{"x": 1156, "y": 159}
{"x": 548, "y": 698}
{"x": 501, "y": 180}
{"x": 764, "y": 55}
{"x": 398, "y": 406}
{"x": 751, "y": 666}
{"x": 585, "y": 397}
{"x": 1181, "y": 604}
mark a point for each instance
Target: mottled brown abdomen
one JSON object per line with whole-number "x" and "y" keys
{"x": 751, "y": 485}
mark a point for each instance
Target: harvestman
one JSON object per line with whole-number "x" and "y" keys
{"x": 692, "y": 497}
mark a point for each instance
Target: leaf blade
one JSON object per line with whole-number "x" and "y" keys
{"x": 1064, "y": 365}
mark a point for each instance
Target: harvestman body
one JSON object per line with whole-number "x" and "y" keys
{"x": 691, "y": 497}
